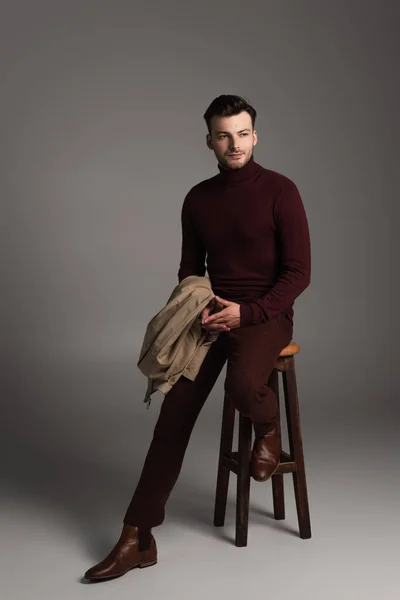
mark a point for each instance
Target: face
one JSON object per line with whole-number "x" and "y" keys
{"x": 232, "y": 139}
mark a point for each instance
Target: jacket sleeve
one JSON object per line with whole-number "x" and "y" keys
{"x": 294, "y": 251}
{"x": 193, "y": 253}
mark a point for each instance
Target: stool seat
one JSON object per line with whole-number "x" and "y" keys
{"x": 290, "y": 350}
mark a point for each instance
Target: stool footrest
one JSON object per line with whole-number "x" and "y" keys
{"x": 286, "y": 464}
{"x": 231, "y": 462}
{"x": 286, "y": 467}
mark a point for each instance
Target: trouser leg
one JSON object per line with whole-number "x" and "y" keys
{"x": 178, "y": 414}
{"x": 252, "y": 353}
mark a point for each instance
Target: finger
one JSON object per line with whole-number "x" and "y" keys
{"x": 214, "y": 328}
{"x": 205, "y": 313}
{"x": 217, "y": 317}
{"x": 223, "y": 301}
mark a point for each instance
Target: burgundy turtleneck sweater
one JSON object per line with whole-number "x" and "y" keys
{"x": 251, "y": 225}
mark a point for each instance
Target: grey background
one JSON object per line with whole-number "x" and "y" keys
{"x": 102, "y": 136}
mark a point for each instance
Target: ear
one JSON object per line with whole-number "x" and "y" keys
{"x": 209, "y": 142}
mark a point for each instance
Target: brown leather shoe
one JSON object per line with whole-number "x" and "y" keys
{"x": 266, "y": 454}
{"x": 124, "y": 556}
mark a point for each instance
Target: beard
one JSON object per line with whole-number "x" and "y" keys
{"x": 233, "y": 165}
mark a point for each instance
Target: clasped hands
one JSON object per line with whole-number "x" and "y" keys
{"x": 226, "y": 319}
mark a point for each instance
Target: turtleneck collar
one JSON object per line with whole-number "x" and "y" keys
{"x": 232, "y": 176}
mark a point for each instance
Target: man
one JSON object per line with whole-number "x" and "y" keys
{"x": 249, "y": 223}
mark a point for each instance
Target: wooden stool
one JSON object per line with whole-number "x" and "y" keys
{"x": 239, "y": 462}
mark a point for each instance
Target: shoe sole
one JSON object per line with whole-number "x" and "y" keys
{"x": 141, "y": 565}
{"x": 150, "y": 563}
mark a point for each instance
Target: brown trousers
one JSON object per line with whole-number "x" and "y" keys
{"x": 251, "y": 353}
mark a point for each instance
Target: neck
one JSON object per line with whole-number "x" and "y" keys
{"x": 231, "y": 176}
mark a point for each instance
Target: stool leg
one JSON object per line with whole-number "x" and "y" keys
{"x": 221, "y": 495}
{"x": 296, "y": 448}
{"x": 278, "y": 492}
{"x": 243, "y": 480}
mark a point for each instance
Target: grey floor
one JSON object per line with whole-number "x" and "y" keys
{"x": 76, "y": 438}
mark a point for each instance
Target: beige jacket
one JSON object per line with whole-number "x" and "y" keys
{"x": 175, "y": 343}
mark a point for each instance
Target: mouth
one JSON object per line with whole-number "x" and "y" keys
{"x": 236, "y": 155}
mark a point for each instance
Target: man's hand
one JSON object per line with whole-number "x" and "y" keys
{"x": 206, "y": 311}
{"x": 224, "y": 320}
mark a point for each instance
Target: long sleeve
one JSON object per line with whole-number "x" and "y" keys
{"x": 293, "y": 239}
{"x": 193, "y": 253}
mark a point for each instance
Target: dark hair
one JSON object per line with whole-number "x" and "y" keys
{"x": 227, "y": 105}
